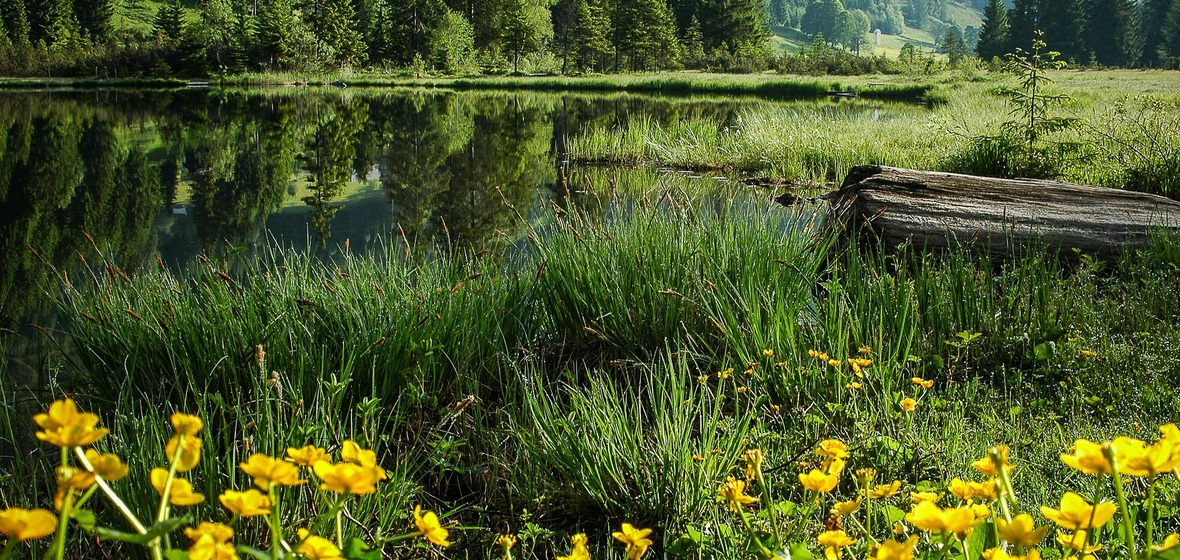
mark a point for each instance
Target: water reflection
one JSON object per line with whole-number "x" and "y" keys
{"x": 133, "y": 177}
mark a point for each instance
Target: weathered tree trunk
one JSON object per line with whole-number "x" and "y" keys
{"x": 936, "y": 210}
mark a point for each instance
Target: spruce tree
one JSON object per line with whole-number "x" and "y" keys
{"x": 1155, "y": 14}
{"x": 1064, "y": 24}
{"x": 1114, "y": 35}
{"x": 529, "y": 27}
{"x": 52, "y": 21}
{"x": 1171, "y": 34}
{"x": 729, "y": 23}
{"x": 169, "y": 22}
{"x": 94, "y": 17}
{"x": 590, "y": 35}
{"x": 16, "y": 21}
{"x": 336, "y": 27}
{"x": 1024, "y": 21}
{"x": 993, "y": 38}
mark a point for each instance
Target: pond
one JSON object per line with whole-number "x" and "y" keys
{"x": 158, "y": 178}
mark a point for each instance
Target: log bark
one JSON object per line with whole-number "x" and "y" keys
{"x": 937, "y": 210}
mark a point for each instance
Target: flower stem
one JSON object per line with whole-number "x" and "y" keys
{"x": 275, "y": 531}
{"x": 1150, "y": 515}
{"x": 765, "y": 552}
{"x": 59, "y": 543}
{"x": 110, "y": 493}
{"x": 8, "y": 548}
{"x": 1117, "y": 480}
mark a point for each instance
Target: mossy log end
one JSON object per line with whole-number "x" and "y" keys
{"x": 936, "y": 210}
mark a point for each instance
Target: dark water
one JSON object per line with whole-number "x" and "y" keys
{"x": 148, "y": 178}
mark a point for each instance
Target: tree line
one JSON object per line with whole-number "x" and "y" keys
{"x": 1123, "y": 33}
{"x": 454, "y": 36}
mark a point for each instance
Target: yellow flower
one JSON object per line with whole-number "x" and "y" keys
{"x": 182, "y": 490}
{"x": 64, "y": 426}
{"x": 429, "y": 527}
{"x": 885, "y": 490}
{"x": 702, "y": 379}
{"x": 923, "y": 383}
{"x": 724, "y": 374}
{"x": 908, "y": 404}
{"x": 245, "y": 504}
{"x": 347, "y": 478}
{"x": 635, "y": 539}
{"x": 821, "y": 356}
{"x": 307, "y": 455}
{"x": 832, "y": 449}
{"x": 68, "y": 480}
{"x": 1086, "y": 456}
{"x": 27, "y": 524}
{"x": 769, "y": 352}
{"x": 864, "y": 476}
{"x": 267, "y": 471}
{"x": 316, "y": 548}
{"x": 1076, "y": 513}
{"x": 988, "y": 490}
{"x": 742, "y": 389}
{"x": 205, "y": 548}
{"x": 834, "y": 541}
{"x": 698, "y": 457}
{"x": 864, "y": 349}
{"x": 846, "y": 508}
{"x": 853, "y": 386}
{"x": 579, "y": 551}
{"x": 893, "y": 550}
{"x": 919, "y": 497}
{"x": 1077, "y": 541}
{"x": 186, "y": 424}
{"x": 987, "y": 466}
{"x": 818, "y": 481}
{"x": 352, "y": 453}
{"x": 999, "y": 554}
{"x": 216, "y": 531}
{"x": 506, "y": 542}
{"x": 734, "y": 492}
{"x": 190, "y": 454}
{"x": 753, "y": 459}
{"x": 1161, "y": 457}
{"x": 108, "y": 466}
{"x": 1020, "y": 531}
{"x": 929, "y": 517}
{"x": 834, "y": 362}
{"x": 962, "y": 489}
{"x": 1171, "y": 541}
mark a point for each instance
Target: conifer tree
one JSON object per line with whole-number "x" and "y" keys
{"x": 645, "y": 35}
{"x": 1064, "y": 24}
{"x": 1114, "y": 34}
{"x": 1155, "y": 14}
{"x": 529, "y": 27}
{"x": 15, "y": 19}
{"x": 340, "y": 41}
{"x": 729, "y": 23}
{"x": 94, "y": 17}
{"x": 51, "y": 21}
{"x": 169, "y": 22}
{"x": 993, "y": 37}
{"x": 590, "y": 35}
{"x": 282, "y": 35}
{"x": 1171, "y": 32}
{"x": 1024, "y": 21}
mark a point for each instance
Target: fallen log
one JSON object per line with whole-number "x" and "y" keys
{"x": 937, "y": 210}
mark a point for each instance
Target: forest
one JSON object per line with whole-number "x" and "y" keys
{"x": 202, "y": 38}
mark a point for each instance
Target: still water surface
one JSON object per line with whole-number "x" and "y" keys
{"x": 161, "y": 177}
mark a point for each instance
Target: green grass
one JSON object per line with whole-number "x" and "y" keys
{"x": 592, "y": 352}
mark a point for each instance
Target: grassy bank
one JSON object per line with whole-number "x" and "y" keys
{"x": 668, "y": 83}
{"x": 1124, "y": 130}
{"x": 615, "y": 364}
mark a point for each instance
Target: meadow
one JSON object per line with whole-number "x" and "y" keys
{"x": 618, "y": 356}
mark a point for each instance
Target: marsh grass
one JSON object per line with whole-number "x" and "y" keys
{"x": 577, "y": 374}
